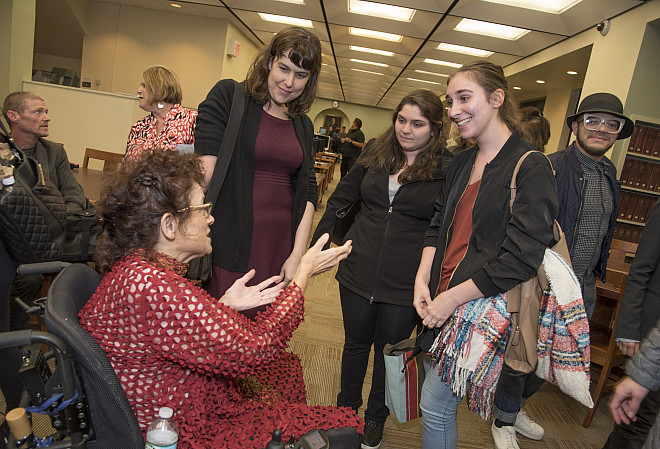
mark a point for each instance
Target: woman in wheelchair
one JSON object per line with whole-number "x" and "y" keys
{"x": 170, "y": 343}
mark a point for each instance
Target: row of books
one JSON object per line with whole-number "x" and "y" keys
{"x": 627, "y": 232}
{"x": 635, "y": 206}
{"x": 645, "y": 140}
{"x": 641, "y": 174}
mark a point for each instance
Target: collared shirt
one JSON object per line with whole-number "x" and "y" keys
{"x": 179, "y": 128}
{"x": 593, "y": 223}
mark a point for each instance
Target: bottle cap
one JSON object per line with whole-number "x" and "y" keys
{"x": 165, "y": 412}
{"x": 8, "y": 181}
{"x": 19, "y": 423}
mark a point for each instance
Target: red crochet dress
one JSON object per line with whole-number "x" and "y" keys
{"x": 171, "y": 344}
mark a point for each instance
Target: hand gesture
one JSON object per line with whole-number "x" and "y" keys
{"x": 241, "y": 297}
{"x": 316, "y": 261}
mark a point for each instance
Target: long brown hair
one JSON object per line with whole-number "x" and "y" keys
{"x": 304, "y": 51}
{"x": 491, "y": 77}
{"x": 427, "y": 159}
{"x": 534, "y": 128}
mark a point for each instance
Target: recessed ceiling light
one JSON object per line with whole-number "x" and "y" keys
{"x": 175, "y": 5}
{"x": 516, "y": 88}
{"x": 445, "y": 63}
{"x": 297, "y": 2}
{"x": 490, "y": 29}
{"x": 285, "y": 19}
{"x": 375, "y": 34}
{"x": 369, "y": 62}
{"x": 465, "y": 50}
{"x": 551, "y": 6}
{"x": 367, "y": 71}
{"x": 572, "y": 72}
{"x": 423, "y": 81}
{"x": 381, "y": 10}
{"x": 431, "y": 73}
{"x": 540, "y": 81}
{"x": 371, "y": 50}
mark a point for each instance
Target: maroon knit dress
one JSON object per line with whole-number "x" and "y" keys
{"x": 278, "y": 155}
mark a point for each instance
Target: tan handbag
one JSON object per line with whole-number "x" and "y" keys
{"x": 523, "y": 301}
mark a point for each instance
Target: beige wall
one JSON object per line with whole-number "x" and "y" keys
{"x": 374, "y": 120}
{"x": 16, "y": 43}
{"x": 556, "y": 105}
{"x": 236, "y": 67}
{"x": 82, "y": 118}
{"x": 46, "y": 62}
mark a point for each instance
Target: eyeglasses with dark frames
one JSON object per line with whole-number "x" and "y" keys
{"x": 206, "y": 207}
{"x": 592, "y": 123}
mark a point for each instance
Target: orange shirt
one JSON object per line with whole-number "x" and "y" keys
{"x": 460, "y": 236}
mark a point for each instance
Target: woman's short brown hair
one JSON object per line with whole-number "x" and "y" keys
{"x": 304, "y": 51}
{"x": 134, "y": 198}
{"x": 162, "y": 85}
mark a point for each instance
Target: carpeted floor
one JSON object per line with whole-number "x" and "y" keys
{"x": 319, "y": 340}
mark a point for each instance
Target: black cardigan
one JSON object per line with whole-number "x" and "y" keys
{"x": 231, "y": 234}
{"x": 387, "y": 239}
{"x": 502, "y": 250}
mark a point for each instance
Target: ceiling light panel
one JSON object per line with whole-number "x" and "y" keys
{"x": 464, "y": 50}
{"x": 375, "y": 34}
{"x": 549, "y": 6}
{"x": 432, "y": 73}
{"x": 287, "y": 20}
{"x": 381, "y": 10}
{"x": 379, "y": 64}
{"x": 444, "y": 63}
{"x": 371, "y": 50}
{"x": 423, "y": 81}
{"x": 367, "y": 71}
{"x": 490, "y": 29}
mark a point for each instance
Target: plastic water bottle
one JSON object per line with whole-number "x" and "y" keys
{"x": 163, "y": 433}
{"x": 7, "y": 186}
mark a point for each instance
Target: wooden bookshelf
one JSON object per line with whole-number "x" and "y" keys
{"x": 640, "y": 178}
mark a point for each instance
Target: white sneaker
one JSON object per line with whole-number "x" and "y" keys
{"x": 526, "y": 427}
{"x": 504, "y": 437}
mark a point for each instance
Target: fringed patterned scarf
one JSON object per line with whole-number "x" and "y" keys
{"x": 470, "y": 350}
{"x": 470, "y": 346}
{"x": 563, "y": 343}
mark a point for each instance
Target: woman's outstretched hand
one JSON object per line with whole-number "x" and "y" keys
{"x": 241, "y": 297}
{"x": 316, "y": 261}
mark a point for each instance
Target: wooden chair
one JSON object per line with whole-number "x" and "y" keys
{"x": 604, "y": 351}
{"x": 112, "y": 160}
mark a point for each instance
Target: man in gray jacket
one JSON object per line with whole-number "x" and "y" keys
{"x": 643, "y": 371}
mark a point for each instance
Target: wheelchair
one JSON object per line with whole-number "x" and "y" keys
{"x": 83, "y": 396}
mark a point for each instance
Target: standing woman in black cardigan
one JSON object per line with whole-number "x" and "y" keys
{"x": 398, "y": 176}
{"x": 263, "y": 215}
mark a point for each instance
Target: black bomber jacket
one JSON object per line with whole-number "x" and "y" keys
{"x": 503, "y": 250}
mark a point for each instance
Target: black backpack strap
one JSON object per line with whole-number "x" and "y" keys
{"x": 228, "y": 143}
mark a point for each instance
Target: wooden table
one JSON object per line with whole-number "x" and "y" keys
{"x": 320, "y": 185}
{"x": 324, "y": 168}
{"x": 90, "y": 180}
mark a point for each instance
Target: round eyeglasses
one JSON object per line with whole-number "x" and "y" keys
{"x": 206, "y": 207}
{"x": 593, "y": 122}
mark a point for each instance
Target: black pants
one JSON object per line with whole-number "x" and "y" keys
{"x": 633, "y": 435}
{"x": 347, "y": 163}
{"x": 367, "y": 324}
{"x": 10, "y": 359}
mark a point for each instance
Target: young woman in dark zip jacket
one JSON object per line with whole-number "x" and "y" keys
{"x": 397, "y": 177}
{"x": 475, "y": 248}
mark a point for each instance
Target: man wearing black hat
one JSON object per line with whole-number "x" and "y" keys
{"x": 588, "y": 195}
{"x": 587, "y": 187}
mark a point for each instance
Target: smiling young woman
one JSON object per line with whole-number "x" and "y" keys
{"x": 475, "y": 247}
{"x": 264, "y": 212}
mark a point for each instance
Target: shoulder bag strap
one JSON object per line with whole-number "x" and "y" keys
{"x": 228, "y": 143}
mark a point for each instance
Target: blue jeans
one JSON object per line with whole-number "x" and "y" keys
{"x": 439, "y": 405}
